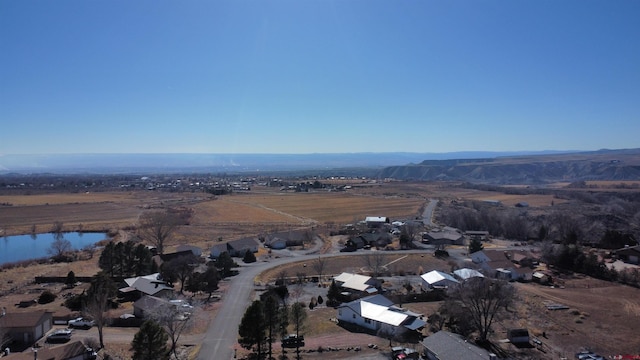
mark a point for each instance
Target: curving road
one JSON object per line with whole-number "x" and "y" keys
{"x": 222, "y": 334}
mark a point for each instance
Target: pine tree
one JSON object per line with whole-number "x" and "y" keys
{"x": 150, "y": 342}
{"x": 253, "y": 327}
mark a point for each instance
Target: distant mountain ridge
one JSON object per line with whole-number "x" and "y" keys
{"x": 620, "y": 165}
{"x": 232, "y": 163}
{"x": 481, "y": 167}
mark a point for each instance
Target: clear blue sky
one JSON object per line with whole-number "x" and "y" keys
{"x": 305, "y": 76}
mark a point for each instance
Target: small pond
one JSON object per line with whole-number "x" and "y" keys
{"x": 25, "y": 247}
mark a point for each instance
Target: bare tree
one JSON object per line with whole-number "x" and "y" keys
{"x": 158, "y": 227}
{"x": 99, "y": 302}
{"x": 483, "y": 299}
{"x": 175, "y": 319}
{"x": 319, "y": 266}
{"x": 59, "y": 247}
{"x": 375, "y": 261}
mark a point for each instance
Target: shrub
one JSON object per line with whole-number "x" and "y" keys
{"x": 46, "y": 297}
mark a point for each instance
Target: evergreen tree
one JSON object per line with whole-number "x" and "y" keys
{"x": 249, "y": 257}
{"x": 333, "y": 294}
{"x": 475, "y": 245}
{"x": 150, "y": 342}
{"x": 253, "y": 328}
{"x": 298, "y": 317}
{"x": 71, "y": 279}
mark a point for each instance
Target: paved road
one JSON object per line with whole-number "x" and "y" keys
{"x": 427, "y": 215}
{"x": 222, "y": 334}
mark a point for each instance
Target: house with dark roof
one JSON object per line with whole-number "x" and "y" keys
{"x": 629, "y": 254}
{"x": 501, "y": 264}
{"x": 442, "y": 238}
{"x": 235, "y": 248}
{"x": 72, "y": 351}
{"x": 26, "y": 328}
{"x": 146, "y": 304}
{"x": 444, "y": 345}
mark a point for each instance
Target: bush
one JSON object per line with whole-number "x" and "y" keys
{"x": 249, "y": 257}
{"x": 46, "y": 297}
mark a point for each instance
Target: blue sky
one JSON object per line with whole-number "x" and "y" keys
{"x": 318, "y": 76}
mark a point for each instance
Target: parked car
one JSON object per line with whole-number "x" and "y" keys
{"x": 81, "y": 323}
{"x": 62, "y": 335}
{"x": 292, "y": 341}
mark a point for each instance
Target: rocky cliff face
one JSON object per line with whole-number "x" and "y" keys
{"x": 599, "y": 165}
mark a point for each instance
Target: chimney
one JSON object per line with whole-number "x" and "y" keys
{"x": 493, "y": 356}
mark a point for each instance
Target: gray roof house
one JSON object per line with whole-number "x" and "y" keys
{"x": 72, "y": 351}
{"x": 147, "y": 304}
{"x": 438, "y": 279}
{"x": 236, "y": 248}
{"x": 147, "y": 285}
{"x": 444, "y": 345}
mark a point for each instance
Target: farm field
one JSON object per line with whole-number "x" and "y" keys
{"x": 602, "y": 316}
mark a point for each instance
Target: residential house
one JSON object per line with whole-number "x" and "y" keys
{"x": 194, "y": 249}
{"x": 438, "y": 280}
{"x": 26, "y": 328}
{"x": 376, "y": 221}
{"x": 72, "y": 351}
{"x": 357, "y": 285}
{"x": 163, "y": 258}
{"x": 290, "y": 238}
{"x": 376, "y": 313}
{"x": 629, "y": 254}
{"x": 146, "y": 304}
{"x": 500, "y": 264}
{"x": 443, "y": 238}
{"x": 444, "y": 345}
{"x": 466, "y": 273}
{"x": 146, "y": 285}
{"x": 477, "y": 235}
{"x": 235, "y": 248}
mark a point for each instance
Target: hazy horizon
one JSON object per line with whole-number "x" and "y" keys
{"x": 317, "y": 76}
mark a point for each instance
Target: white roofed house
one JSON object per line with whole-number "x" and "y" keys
{"x": 465, "y": 273}
{"x": 438, "y": 280}
{"x": 376, "y": 221}
{"x": 378, "y": 314}
{"x": 147, "y": 285}
{"x": 356, "y": 285}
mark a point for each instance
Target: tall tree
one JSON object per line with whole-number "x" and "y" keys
{"x": 175, "y": 320}
{"x": 252, "y": 328}
{"x": 483, "y": 299}
{"x": 157, "y": 227}
{"x": 107, "y": 260}
{"x": 333, "y": 294}
{"x": 319, "y": 266}
{"x": 179, "y": 269}
{"x": 375, "y": 261}
{"x": 59, "y": 247}
{"x": 150, "y": 342}
{"x": 298, "y": 317}
{"x": 98, "y": 301}
{"x": 271, "y": 309}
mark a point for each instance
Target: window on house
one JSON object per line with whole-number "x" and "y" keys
{"x": 354, "y": 316}
{"x": 367, "y": 321}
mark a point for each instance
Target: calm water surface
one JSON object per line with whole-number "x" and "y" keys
{"x": 25, "y": 247}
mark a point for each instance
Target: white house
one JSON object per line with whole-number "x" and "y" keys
{"x": 147, "y": 285}
{"x": 438, "y": 279}
{"x": 377, "y": 313}
{"x": 356, "y": 282}
{"x": 466, "y": 273}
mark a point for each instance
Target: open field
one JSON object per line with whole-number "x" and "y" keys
{"x": 602, "y": 316}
